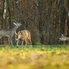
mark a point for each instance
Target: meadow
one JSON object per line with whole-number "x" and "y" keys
{"x": 37, "y": 57}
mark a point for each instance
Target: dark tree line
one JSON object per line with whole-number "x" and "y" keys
{"x": 45, "y": 19}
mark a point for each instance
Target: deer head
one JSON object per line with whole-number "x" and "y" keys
{"x": 17, "y": 24}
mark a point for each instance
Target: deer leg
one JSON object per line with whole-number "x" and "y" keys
{"x": 22, "y": 43}
{"x": 17, "y": 42}
{"x": 9, "y": 40}
{"x": 64, "y": 42}
{"x": 30, "y": 42}
{"x": 26, "y": 43}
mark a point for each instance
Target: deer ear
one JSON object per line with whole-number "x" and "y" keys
{"x": 14, "y": 23}
{"x": 18, "y": 32}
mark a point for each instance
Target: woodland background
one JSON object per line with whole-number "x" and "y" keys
{"x": 45, "y": 19}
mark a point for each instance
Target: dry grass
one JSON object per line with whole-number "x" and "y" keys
{"x": 34, "y": 59}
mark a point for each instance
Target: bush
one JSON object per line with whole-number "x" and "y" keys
{"x": 37, "y": 43}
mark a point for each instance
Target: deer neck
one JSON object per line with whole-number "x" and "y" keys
{"x": 14, "y": 29}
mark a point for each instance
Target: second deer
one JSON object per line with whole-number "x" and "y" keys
{"x": 23, "y": 35}
{"x": 63, "y": 38}
{"x": 9, "y": 32}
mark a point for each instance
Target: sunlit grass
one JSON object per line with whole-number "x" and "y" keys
{"x": 47, "y": 57}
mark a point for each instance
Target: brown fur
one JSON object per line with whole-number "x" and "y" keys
{"x": 24, "y": 35}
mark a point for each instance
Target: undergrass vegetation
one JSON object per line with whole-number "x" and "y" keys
{"x": 37, "y": 57}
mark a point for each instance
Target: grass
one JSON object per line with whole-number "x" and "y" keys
{"x": 38, "y": 57}
{"x": 39, "y": 47}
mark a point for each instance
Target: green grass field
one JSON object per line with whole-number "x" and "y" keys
{"x": 37, "y": 57}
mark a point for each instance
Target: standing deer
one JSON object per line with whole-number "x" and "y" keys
{"x": 23, "y": 35}
{"x": 9, "y": 32}
{"x": 63, "y": 38}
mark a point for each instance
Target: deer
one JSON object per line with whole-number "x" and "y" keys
{"x": 23, "y": 35}
{"x": 10, "y": 32}
{"x": 63, "y": 38}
